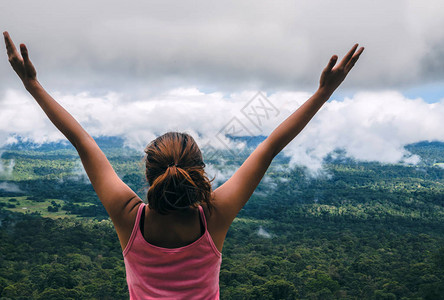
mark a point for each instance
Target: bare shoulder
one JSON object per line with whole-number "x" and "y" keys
{"x": 125, "y": 223}
{"x": 216, "y": 223}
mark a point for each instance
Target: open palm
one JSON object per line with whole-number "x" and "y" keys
{"x": 332, "y": 76}
{"x": 20, "y": 63}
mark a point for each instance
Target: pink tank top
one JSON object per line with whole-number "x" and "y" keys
{"x": 188, "y": 272}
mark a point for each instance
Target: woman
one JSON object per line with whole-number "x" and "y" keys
{"x": 172, "y": 246}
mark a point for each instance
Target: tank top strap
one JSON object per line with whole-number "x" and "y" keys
{"x": 202, "y": 216}
{"x": 135, "y": 227}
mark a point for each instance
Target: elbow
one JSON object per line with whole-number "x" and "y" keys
{"x": 268, "y": 149}
{"x": 82, "y": 143}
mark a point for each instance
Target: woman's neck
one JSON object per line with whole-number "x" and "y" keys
{"x": 178, "y": 215}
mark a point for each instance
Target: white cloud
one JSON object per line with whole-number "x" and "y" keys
{"x": 263, "y": 233}
{"x": 6, "y": 170}
{"x": 369, "y": 126}
{"x": 10, "y": 187}
{"x": 220, "y": 175}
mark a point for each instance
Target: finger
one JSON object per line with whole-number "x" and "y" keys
{"x": 331, "y": 63}
{"x": 348, "y": 56}
{"x": 10, "y": 47}
{"x": 353, "y": 60}
{"x": 29, "y": 67}
{"x": 24, "y": 52}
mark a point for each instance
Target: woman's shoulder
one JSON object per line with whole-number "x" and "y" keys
{"x": 215, "y": 225}
{"x": 125, "y": 225}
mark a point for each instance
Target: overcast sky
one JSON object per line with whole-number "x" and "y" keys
{"x": 139, "y": 68}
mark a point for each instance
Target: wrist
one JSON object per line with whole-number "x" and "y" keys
{"x": 31, "y": 85}
{"x": 324, "y": 93}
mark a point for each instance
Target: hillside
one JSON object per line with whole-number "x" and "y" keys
{"x": 358, "y": 230}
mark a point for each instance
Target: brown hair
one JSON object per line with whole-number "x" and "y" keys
{"x": 175, "y": 173}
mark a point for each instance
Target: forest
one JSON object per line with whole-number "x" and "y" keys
{"x": 355, "y": 230}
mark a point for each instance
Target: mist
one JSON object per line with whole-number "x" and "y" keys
{"x": 370, "y": 126}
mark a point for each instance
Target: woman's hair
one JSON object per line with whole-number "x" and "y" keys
{"x": 175, "y": 173}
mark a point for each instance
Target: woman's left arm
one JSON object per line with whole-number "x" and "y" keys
{"x": 117, "y": 198}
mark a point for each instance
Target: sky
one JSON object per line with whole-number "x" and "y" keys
{"x": 137, "y": 69}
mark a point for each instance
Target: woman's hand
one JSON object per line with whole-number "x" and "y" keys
{"x": 20, "y": 63}
{"x": 331, "y": 77}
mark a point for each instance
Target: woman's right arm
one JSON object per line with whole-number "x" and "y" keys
{"x": 230, "y": 197}
{"x": 118, "y": 199}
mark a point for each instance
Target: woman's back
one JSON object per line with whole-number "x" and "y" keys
{"x": 187, "y": 272}
{"x": 174, "y": 230}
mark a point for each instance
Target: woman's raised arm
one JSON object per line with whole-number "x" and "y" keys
{"x": 117, "y": 198}
{"x": 235, "y": 192}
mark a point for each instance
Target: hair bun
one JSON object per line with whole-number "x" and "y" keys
{"x": 185, "y": 186}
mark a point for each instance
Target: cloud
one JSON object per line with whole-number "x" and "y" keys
{"x": 10, "y": 187}
{"x": 263, "y": 233}
{"x": 371, "y": 126}
{"x": 79, "y": 173}
{"x": 220, "y": 174}
{"x": 6, "y": 170}
{"x": 145, "y": 47}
